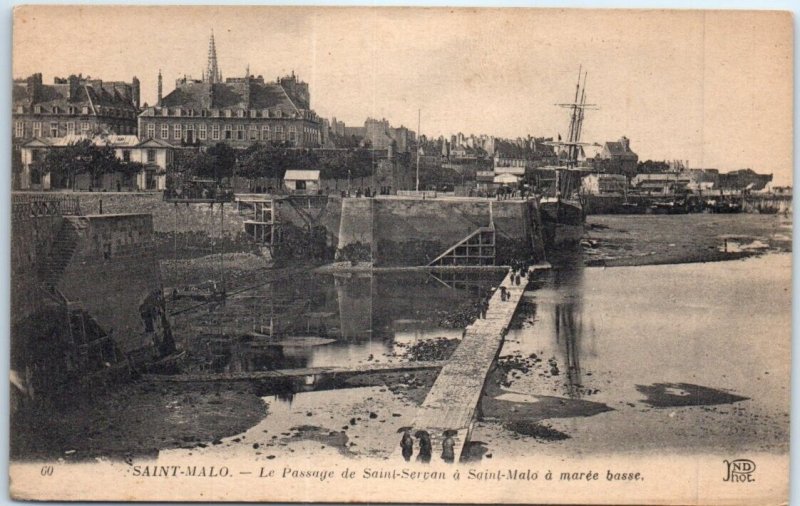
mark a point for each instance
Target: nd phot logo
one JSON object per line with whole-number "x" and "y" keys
{"x": 740, "y": 470}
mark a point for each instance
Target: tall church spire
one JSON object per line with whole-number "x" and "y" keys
{"x": 160, "y": 88}
{"x": 212, "y": 73}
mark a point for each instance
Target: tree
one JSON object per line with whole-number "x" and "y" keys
{"x": 65, "y": 163}
{"x": 221, "y": 162}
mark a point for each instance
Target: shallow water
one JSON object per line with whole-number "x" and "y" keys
{"x": 690, "y": 355}
{"x": 370, "y": 319}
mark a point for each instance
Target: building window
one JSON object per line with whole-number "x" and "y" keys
{"x": 37, "y": 109}
{"x": 164, "y": 131}
{"x": 176, "y": 131}
{"x": 253, "y": 132}
{"x": 228, "y": 132}
{"x": 54, "y": 129}
{"x": 19, "y": 129}
{"x": 70, "y": 127}
{"x": 240, "y": 113}
{"x": 126, "y": 155}
{"x": 215, "y": 132}
{"x": 151, "y": 156}
{"x": 85, "y": 109}
{"x": 37, "y": 128}
{"x": 292, "y": 134}
{"x": 84, "y": 127}
{"x": 265, "y": 133}
{"x": 279, "y": 133}
{"x": 201, "y": 133}
{"x": 151, "y": 130}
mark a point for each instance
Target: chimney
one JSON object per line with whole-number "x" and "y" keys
{"x": 626, "y": 143}
{"x": 74, "y": 84}
{"x": 135, "y": 91}
{"x": 34, "y": 87}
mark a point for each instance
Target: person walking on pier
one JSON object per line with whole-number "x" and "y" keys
{"x": 448, "y": 447}
{"x": 407, "y": 444}
{"x": 425, "y": 446}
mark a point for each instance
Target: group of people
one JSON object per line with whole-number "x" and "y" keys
{"x": 518, "y": 272}
{"x": 426, "y": 446}
{"x": 365, "y": 192}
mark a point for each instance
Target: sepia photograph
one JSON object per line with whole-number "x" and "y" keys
{"x": 401, "y": 255}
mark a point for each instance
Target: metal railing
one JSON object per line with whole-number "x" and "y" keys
{"x": 33, "y": 206}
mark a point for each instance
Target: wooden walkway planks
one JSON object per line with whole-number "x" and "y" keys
{"x": 454, "y": 397}
{"x": 294, "y": 373}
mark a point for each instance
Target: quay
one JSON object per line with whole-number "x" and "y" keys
{"x": 388, "y": 367}
{"x": 453, "y": 400}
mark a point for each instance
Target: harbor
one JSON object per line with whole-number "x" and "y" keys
{"x": 398, "y": 255}
{"x": 387, "y": 343}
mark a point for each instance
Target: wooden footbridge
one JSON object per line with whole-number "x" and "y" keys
{"x": 246, "y": 376}
{"x": 453, "y": 399}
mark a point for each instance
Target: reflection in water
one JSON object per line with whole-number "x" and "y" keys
{"x": 568, "y": 279}
{"x": 312, "y": 320}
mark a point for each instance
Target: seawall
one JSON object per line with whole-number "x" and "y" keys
{"x": 414, "y": 231}
{"x": 112, "y": 271}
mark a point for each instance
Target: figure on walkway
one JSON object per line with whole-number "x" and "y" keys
{"x": 448, "y": 447}
{"x": 407, "y": 444}
{"x": 425, "y": 446}
{"x": 503, "y": 293}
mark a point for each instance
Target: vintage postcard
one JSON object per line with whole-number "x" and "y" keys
{"x": 414, "y": 255}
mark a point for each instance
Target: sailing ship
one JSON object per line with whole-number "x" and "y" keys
{"x": 561, "y": 210}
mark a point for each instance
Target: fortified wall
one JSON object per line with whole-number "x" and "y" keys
{"x": 412, "y": 231}
{"x": 192, "y": 228}
{"x": 112, "y": 272}
{"x": 85, "y": 293}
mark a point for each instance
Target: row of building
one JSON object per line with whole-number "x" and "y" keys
{"x": 239, "y": 111}
{"x": 677, "y": 182}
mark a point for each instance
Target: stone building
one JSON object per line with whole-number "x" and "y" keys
{"x": 73, "y": 105}
{"x": 618, "y": 158}
{"x": 239, "y": 111}
{"x": 380, "y": 135}
{"x": 154, "y": 155}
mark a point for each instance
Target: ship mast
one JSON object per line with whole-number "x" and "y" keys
{"x": 573, "y": 123}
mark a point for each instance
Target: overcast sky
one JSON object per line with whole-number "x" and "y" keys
{"x": 714, "y": 88}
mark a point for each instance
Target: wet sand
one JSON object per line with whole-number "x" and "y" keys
{"x": 650, "y": 380}
{"x": 619, "y": 240}
{"x": 687, "y": 358}
{"x": 136, "y": 420}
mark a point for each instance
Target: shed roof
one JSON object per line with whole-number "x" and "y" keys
{"x": 506, "y": 178}
{"x": 301, "y": 175}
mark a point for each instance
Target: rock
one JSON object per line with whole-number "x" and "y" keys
{"x": 216, "y": 442}
{"x": 352, "y": 421}
{"x": 270, "y": 457}
{"x": 373, "y": 415}
{"x": 255, "y": 446}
